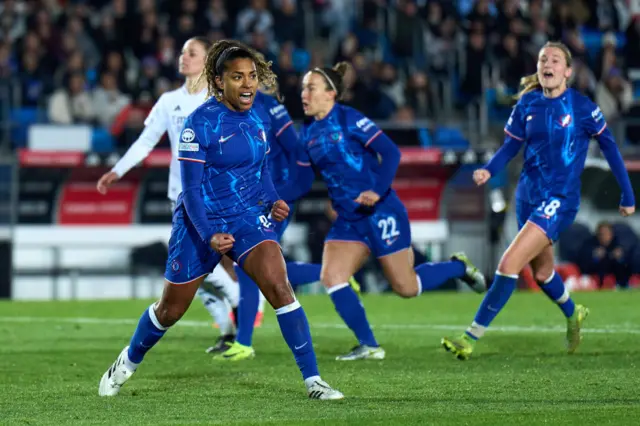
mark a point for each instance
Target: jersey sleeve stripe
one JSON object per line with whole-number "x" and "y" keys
{"x": 190, "y": 159}
{"x": 601, "y": 130}
{"x": 378, "y": 133}
{"x": 513, "y": 136}
{"x": 303, "y": 164}
{"x": 284, "y": 128}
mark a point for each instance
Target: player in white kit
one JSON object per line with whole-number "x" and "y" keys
{"x": 219, "y": 293}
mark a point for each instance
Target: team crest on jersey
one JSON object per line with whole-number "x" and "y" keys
{"x": 175, "y": 266}
{"x": 262, "y": 135}
{"x": 188, "y": 135}
{"x": 336, "y": 137}
{"x": 565, "y": 120}
{"x": 311, "y": 142}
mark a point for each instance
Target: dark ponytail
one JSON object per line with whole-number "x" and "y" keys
{"x": 334, "y": 77}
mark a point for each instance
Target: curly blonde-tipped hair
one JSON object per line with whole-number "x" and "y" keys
{"x": 225, "y": 50}
{"x": 531, "y": 82}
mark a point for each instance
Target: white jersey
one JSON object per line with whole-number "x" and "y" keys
{"x": 167, "y": 115}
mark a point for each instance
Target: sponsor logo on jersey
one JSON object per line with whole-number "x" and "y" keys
{"x": 364, "y": 124}
{"x": 278, "y": 111}
{"x": 596, "y": 114}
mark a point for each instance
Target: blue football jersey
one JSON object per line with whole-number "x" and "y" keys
{"x": 284, "y": 154}
{"x": 233, "y": 147}
{"x": 337, "y": 146}
{"x": 556, "y": 134}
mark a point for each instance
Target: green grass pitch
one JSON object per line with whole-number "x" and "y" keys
{"x": 52, "y": 355}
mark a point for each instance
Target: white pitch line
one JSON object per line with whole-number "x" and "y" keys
{"x": 319, "y": 325}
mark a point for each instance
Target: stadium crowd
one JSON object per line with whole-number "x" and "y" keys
{"x": 105, "y": 62}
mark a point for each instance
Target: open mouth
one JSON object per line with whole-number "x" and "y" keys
{"x": 547, "y": 74}
{"x": 246, "y": 97}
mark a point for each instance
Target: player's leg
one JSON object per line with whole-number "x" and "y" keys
{"x": 250, "y": 296}
{"x": 552, "y": 285}
{"x": 190, "y": 260}
{"x": 266, "y": 266}
{"x": 390, "y": 235}
{"x": 529, "y": 243}
{"x": 153, "y": 324}
{"x": 219, "y": 308}
{"x": 344, "y": 255}
{"x": 229, "y": 282}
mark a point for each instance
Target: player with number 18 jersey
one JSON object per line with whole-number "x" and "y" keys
{"x": 556, "y": 133}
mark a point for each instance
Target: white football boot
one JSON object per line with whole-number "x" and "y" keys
{"x": 319, "y": 389}
{"x": 117, "y": 375}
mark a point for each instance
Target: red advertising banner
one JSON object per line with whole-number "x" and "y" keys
{"x": 421, "y": 196}
{"x": 81, "y": 204}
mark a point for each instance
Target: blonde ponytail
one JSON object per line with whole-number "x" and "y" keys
{"x": 529, "y": 83}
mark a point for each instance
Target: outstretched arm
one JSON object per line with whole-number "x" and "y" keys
{"x": 155, "y": 127}
{"x": 612, "y": 154}
{"x": 504, "y": 155}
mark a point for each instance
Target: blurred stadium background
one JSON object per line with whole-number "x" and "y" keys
{"x": 79, "y": 77}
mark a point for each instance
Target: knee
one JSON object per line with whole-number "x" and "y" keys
{"x": 509, "y": 265}
{"x": 169, "y": 313}
{"x": 542, "y": 275}
{"x": 331, "y": 277}
{"x": 277, "y": 291}
{"x": 405, "y": 288}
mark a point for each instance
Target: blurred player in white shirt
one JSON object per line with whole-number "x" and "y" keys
{"x": 219, "y": 293}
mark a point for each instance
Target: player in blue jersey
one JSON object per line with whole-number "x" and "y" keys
{"x": 555, "y": 124}
{"x": 290, "y": 181}
{"x": 358, "y": 162}
{"x": 222, "y": 210}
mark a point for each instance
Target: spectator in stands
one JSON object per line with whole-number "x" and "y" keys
{"x": 74, "y": 64}
{"x": 7, "y": 65}
{"x": 475, "y": 59}
{"x": 608, "y": 257}
{"x": 607, "y": 58}
{"x": 632, "y": 47}
{"x": 256, "y": 17}
{"x": 539, "y": 34}
{"x": 288, "y": 22}
{"x": 12, "y": 20}
{"x": 584, "y": 79}
{"x": 72, "y": 104}
{"x": 128, "y": 124}
{"x": 408, "y": 29}
{"x": 614, "y": 95}
{"x": 76, "y": 29}
{"x": 391, "y": 85}
{"x": 514, "y": 64}
{"x": 417, "y": 95}
{"x": 114, "y": 63}
{"x": 218, "y": 18}
{"x": 107, "y": 37}
{"x": 147, "y": 34}
{"x": 34, "y": 81}
{"x": 108, "y": 101}
{"x": 149, "y": 75}
{"x": 561, "y": 20}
